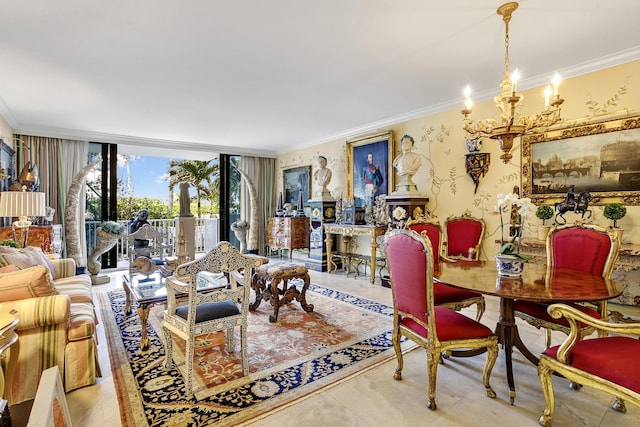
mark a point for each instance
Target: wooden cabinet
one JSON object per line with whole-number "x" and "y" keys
{"x": 288, "y": 233}
{"x": 46, "y": 237}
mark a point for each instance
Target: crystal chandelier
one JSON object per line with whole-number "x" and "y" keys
{"x": 511, "y": 124}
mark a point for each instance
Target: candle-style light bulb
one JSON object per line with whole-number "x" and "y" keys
{"x": 467, "y": 97}
{"x": 515, "y": 76}
{"x": 547, "y": 97}
{"x": 556, "y": 83}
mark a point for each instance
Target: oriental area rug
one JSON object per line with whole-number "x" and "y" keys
{"x": 289, "y": 360}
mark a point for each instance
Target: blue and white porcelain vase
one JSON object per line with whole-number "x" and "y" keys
{"x": 509, "y": 265}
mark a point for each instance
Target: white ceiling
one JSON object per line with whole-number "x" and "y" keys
{"x": 266, "y": 77}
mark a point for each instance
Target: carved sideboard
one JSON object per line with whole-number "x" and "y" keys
{"x": 46, "y": 237}
{"x": 288, "y": 233}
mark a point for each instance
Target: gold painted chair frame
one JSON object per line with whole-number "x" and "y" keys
{"x": 607, "y": 271}
{"x": 433, "y": 345}
{"x": 414, "y": 224}
{"x": 549, "y": 365}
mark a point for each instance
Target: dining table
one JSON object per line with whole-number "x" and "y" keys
{"x": 538, "y": 283}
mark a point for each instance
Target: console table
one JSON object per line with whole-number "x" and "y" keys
{"x": 354, "y": 230}
{"x": 288, "y": 233}
{"x": 39, "y": 236}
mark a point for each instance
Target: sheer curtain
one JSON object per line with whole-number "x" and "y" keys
{"x": 58, "y": 160}
{"x": 262, "y": 172}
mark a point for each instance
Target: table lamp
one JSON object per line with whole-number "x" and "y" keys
{"x": 22, "y": 204}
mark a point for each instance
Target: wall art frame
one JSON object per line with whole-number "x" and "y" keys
{"x": 361, "y": 179}
{"x": 295, "y": 180}
{"x": 8, "y": 165}
{"x": 601, "y": 157}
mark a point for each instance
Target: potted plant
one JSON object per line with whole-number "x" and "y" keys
{"x": 615, "y": 212}
{"x": 508, "y": 259}
{"x": 10, "y": 243}
{"x": 544, "y": 212}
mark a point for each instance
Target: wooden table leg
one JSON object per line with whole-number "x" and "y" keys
{"x": 374, "y": 247}
{"x": 258, "y": 284}
{"x": 143, "y": 313}
{"x": 506, "y": 331}
{"x": 302, "y": 299}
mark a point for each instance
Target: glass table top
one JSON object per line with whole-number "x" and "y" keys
{"x": 154, "y": 287}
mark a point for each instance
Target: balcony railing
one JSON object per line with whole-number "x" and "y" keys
{"x": 206, "y": 234}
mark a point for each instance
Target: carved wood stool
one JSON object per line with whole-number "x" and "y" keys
{"x": 265, "y": 282}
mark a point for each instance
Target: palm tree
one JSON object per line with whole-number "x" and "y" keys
{"x": 203, "y": 175}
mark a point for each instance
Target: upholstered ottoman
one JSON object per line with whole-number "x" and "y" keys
{"x": 271, "y": 282}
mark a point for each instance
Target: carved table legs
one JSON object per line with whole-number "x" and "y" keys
{"x": 265, "y": 284}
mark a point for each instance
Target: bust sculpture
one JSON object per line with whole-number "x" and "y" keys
{"x": 407, "y": 164}
{"x": 322, "y": 177}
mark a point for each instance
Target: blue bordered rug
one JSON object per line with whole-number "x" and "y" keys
{"x": 150, "y": 395}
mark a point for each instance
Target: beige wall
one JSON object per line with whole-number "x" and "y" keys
{"x": 6, "y": 132}
{"x": 441, "y": 140}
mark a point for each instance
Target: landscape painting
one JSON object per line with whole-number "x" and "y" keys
{"x": 601, "y": 158}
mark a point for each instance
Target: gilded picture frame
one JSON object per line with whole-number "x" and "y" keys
{"x": 296, "y": 180}
{"x": 600, "y": 157}
{"x": 8, "y": 166}
{"x": 369, "y": 170}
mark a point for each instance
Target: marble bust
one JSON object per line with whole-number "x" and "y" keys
{"x": 407, "y": 164}
{"x": 322, "y": 177}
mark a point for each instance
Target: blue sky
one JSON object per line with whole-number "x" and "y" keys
{"x": 148, "y": 176}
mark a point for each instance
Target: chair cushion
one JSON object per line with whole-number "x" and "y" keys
{"x": 612, "y": 358}
{"x": 210, "y": 311}
{"x": 82, "y": 321}
{"x": 444, "y": 294}
{"x": 539, "y": 310}
{"x": 28, "y": 257}
{"x": 451, "y": 325}
{"x": 29, "y": 283}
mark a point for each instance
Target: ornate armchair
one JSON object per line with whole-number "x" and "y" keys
{"x": 445, "y": 296}
{"x": 583, "y": 247}
{"x": 608, "y": 363}
{"x": 147, "y": 241}
{"x": 218, "y": 310}
{"x": 463, "y": 236}
{"x": 436, "y": 329}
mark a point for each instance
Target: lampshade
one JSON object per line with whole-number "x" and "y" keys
{"x": 22, "y": 204}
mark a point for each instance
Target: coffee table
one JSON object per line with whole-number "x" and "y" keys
{"x": 147, "y": 291}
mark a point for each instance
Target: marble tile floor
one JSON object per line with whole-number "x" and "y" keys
{"x": 374, "y": 398}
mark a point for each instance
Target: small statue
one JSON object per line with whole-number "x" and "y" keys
{"x": 185, "y": 200}
{"x": 136, "y": 224}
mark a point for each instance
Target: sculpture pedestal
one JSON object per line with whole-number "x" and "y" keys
{"x": 402, "y": 207}
{"x": 322, "y": 211}
{"x": 186, "y": 225}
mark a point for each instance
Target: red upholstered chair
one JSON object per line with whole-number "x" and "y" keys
{"x": 608, "y": 363}
{"x": 463, "y": 236}
{"x": 436, "y": 329}
{"x": 445, "y": 296}
{"x": 583, "y": 247}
